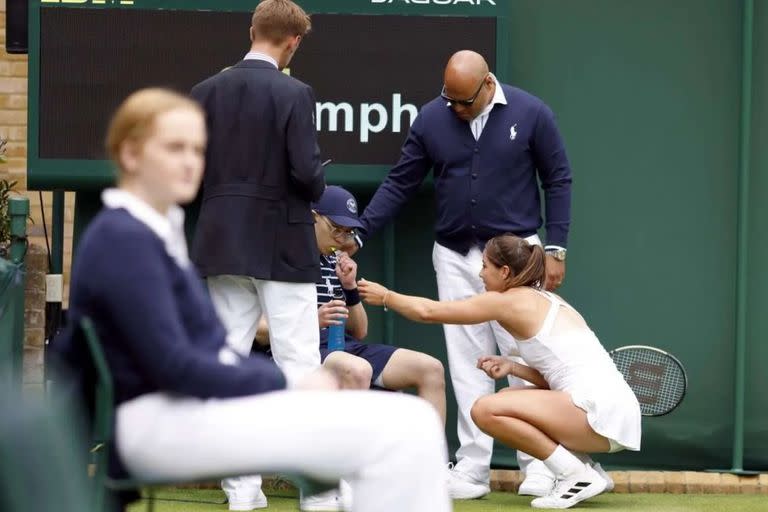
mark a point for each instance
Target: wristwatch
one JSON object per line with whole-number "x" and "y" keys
{"x": 558, "y": 254}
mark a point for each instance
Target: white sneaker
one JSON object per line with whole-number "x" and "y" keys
{"x": 329, "y": 501}
{"x": 259, "y": 501}
{"x": 536, "y": 484}
{"x": 608, "y": 480}
{"x": 346, "y": 494}
{"x": 460, "y": 487}
{"x": 572, "y": 490}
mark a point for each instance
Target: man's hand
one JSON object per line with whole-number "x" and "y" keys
{"x": 332, "y": 313}
{"x": 346, "y": 269}
{"x": 555, "y": 273}
{"x": 496, "y": 367}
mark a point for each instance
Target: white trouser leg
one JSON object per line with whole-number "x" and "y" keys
{"x": 239, "y": 307}
{"x": 294, "y": 331}
{"x": 237, "y": 303}
{"x": 291, "y": 310}
{"x": 457, "y": 278}
{"x": 389, "y": 447}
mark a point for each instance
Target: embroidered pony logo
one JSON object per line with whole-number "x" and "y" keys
{"x": 513, "y": 132}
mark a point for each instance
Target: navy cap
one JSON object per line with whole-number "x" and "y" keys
{"x": 340, "y": 206}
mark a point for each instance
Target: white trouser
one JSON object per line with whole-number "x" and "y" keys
{"x": 290, "y": 308}
{"x": 294, "y": 334}
{"x": 389, "y": 447}
{"x": 458, "y": 277}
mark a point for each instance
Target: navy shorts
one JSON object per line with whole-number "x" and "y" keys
{"x": 377, "y": 355}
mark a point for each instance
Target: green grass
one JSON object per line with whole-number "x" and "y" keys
{"x": 189, "y": 500}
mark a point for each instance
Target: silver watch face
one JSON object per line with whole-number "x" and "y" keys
{"x": 558, "y": 254}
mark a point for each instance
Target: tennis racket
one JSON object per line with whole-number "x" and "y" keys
{"x": 657, "y": 378}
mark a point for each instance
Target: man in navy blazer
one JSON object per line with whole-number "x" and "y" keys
{"x": 255, "y": 241}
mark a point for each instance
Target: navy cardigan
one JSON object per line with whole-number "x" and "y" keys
{"x": 156, "y": 322}
{"x": 483, "y": 187}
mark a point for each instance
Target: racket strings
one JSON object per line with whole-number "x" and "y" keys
{"x": 657, "y": 379}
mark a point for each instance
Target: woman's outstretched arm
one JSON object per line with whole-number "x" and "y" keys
{"x": 474, "y": 310}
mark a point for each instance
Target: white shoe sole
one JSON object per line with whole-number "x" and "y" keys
{"x": 320, "y": 508}
{"x": 473, "y": 496}
{"x": 245, "y": 507}
{"x": 593, "y": 490}
{"x": 321, "y": 505}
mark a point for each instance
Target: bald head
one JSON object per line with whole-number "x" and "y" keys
{"x": 468, "y": 84}
{"x": 464, "y": 66}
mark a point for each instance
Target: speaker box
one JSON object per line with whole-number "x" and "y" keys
{"x": 16, "y": 26}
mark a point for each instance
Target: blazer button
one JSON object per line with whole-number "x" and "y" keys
{"x": 474, "y": 175}
{"x": 473, "y": 226}
{"x": 473, "y": 201}
{"x": 477, "y": 150}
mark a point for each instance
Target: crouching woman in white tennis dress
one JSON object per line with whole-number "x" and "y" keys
{"x": 581, "y": 403}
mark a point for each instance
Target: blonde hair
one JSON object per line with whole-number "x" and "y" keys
{"x": 275, "y": 20}
{"x": 134, "y": 119}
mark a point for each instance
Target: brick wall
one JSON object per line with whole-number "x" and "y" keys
{"x": 34, "y": 316}
{"x": 13, "y": 127}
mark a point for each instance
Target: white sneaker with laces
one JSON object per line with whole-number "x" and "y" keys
{"x": 461, "y": 487}
{"x": 536, "y": 484}
{"x": 329, "y": 501}
{"x": 604, "y": 474}
{"x": 259, "y": 501}
{"x": 572, "y": 490}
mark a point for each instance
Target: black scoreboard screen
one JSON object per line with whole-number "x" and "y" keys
{"x": 370, "y": 74}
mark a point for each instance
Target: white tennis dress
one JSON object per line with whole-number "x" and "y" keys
{"x": 574, "y": 361}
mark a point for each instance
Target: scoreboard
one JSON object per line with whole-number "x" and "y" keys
{"x": 371, "y": 63}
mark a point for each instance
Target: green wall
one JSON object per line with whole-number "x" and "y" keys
{"x": 647, "y": 97}
{"x": 756, "y": 424}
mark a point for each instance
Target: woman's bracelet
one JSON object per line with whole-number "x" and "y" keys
{"x": 384, "y": 299}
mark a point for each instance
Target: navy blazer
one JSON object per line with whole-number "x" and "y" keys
{"x": 262, "y": 172}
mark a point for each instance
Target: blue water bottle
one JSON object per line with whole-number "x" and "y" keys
{"x": 336, "y": 332}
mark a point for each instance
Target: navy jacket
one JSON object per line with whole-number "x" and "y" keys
{"x": 262, "y": 171}
{"x": 486, "y": 187}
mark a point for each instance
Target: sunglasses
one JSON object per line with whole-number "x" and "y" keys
{"x": 465, "y": 103}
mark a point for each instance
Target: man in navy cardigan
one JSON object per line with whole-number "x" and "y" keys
{"x": 487, "y": 143}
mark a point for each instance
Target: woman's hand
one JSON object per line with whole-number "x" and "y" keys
{"x": 372, "y": 293}
{"x": 332, "y": 313}
{"x": 496, "y": 367}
